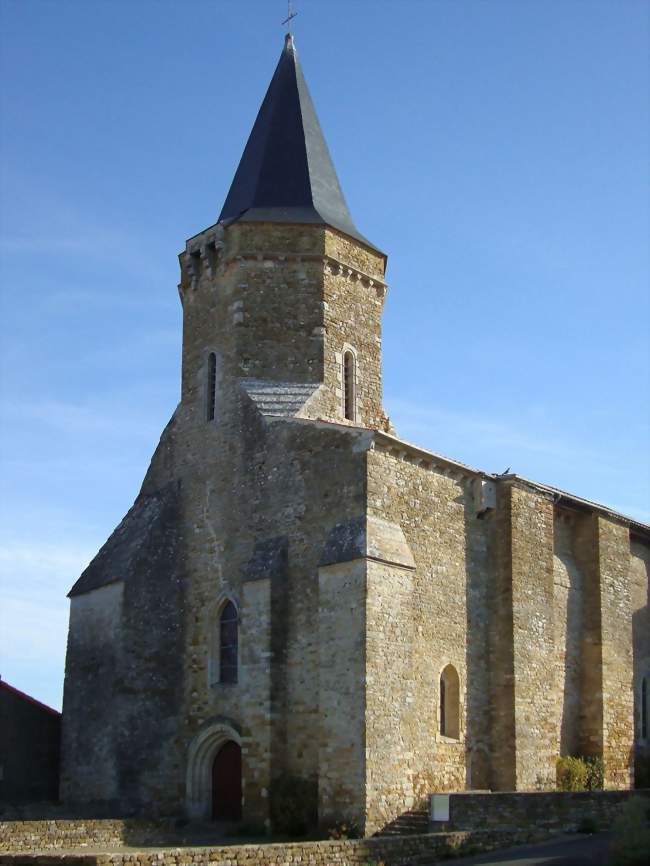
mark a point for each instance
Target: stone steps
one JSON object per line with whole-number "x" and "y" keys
{"x": 407, "y": 824}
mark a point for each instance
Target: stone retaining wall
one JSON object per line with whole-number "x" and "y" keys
{"x": 60, "y": 834}
{"x": 503, "y": 818}
{"x": 549, "y": 810}
{"x": 391, "y": 851}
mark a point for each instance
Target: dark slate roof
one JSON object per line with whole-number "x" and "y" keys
{"x": 346, "y": 542}
{"x": 269, "y": 559}
{"x": 146, "y": 528}
{"x": 286, "y": 172}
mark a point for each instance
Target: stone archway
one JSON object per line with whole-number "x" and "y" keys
{"x": 202, "y": 753}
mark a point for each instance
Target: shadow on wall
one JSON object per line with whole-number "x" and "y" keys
{"x": 640, "y": 580}
{"x": 568, "y": 603}
{"x": 478, "y": 575}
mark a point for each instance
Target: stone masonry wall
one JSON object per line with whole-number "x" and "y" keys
{"x": 482, "y": 820}
{"x": 57, "y": 834}
{"x": 352, "y": 318}
{"x": 94, "y": 644}
{"x": 122, "y": 700}
{"x": 568, "y": 595}
{"x": 640, "y": 593}
{"x": 240, "y": 507}
{"x": 449, "y": 552}
{"x": 342, "y": 705}
{"x": 502, "y": 775}
{"x": 391, "y": 705}
{"x": 591, "y": 679}
{"x": 281, "y": 303}
{"x": 533, "y": 638}
{"x": 616, "y": 625}
{"x": 257, "y": 499}
{"x": 603, "y": 551}
{"x": 255, "y": 684}
{"x": 292, "y": 502}
{"x": 262, "y": 309}
{"x": 393, "y": 851}
{"x": 524, "y": 693}
{"x": 550, "y": 810}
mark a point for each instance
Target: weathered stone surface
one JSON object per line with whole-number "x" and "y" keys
{"x": 479, "y": 821}
{"x": 640, "y": 603}
{"x": 392, "y": 851}
{"x": 362, "y": 569}
{"x": 554, "y": 811}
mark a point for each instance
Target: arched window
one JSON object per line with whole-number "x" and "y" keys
{"x": 450, "y": 703}
{"x": 644, "y": 708}
{"x": 211, "y": 386}
{"x": 443, "y": 706}
{"x": 228, "y": 640}
{"x": 349, "y": 386}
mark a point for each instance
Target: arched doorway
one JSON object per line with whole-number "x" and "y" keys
{"x": 203, "y": 751}
{"x": 226, "y": 782}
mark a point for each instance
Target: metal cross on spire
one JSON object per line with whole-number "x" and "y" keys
{"x": 290, "y": 14}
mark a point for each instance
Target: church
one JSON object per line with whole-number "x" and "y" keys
{"x": 298, "y": 597}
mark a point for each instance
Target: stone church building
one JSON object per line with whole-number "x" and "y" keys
{"x": 297, "y": 593}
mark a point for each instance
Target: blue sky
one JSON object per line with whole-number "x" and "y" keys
{"x": 498, "y": 151}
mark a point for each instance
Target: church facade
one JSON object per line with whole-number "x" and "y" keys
{"x": 297, "y": 594}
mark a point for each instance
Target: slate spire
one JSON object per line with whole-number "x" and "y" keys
{"x": 286, "y": 172}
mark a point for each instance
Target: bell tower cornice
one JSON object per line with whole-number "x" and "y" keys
{"x": 206, "y": 248}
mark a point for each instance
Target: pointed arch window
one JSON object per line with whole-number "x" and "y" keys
{"x": 450, "y": 703}
{"x": 349, "y": 385}
{"x": 228, "y": 643}
{"x": 644, "y": 708}
{"x": 211, "y": 387}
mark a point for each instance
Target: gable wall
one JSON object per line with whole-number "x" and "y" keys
{"x": 449, "y": 587}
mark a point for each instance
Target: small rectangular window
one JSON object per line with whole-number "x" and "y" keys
{"x": 348, "y": 386}
{"x": 228, "y": 644}
{"x": 211, "y": 386}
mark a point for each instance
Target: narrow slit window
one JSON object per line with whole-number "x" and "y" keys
{"x": 211, "y": 386}
{"x": 349, "y": 386}
{"x": 450, "y": 703}
{"x": 228, "y": 644}
{"x": 644, "y": 708}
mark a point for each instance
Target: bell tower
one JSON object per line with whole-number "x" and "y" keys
{"x": 283, "y": 293}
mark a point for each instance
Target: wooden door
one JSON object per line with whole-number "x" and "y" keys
{"x": 226, "y": 783}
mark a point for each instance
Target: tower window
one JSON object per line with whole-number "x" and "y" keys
{"x": 450, "y": 703}
{"x": 228, "y": 643}
{"x": 349, "y": 386}
{"x": 443, "y": 704}
{"x": 644, "y": 708}
{"x": 211, "y": 386}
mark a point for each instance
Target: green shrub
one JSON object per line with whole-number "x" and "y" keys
{"x": 631, "y": 842}
{"x": 574, "y": 773}
{"x": 595, "y": 773}
{"x": 293, "y": 805}
{"x": 571, "y": 774}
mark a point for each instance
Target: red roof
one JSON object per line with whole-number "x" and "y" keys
{"x": 5, "y": 685}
